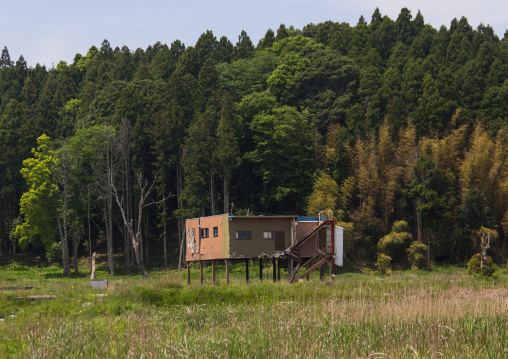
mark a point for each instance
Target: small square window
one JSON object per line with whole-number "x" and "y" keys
{"x": 215, "y": 231}
{"x": 268, "y": 235}
{"x": 204, "y": 233}
{"x": 243, "y": 235}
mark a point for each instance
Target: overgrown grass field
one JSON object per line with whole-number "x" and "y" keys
{"x": 442, "y": 313}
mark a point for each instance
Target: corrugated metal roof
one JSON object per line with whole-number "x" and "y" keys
{"x": 258, "y": 217}
{"x": 307, "y": 219}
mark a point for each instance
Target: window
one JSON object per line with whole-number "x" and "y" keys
{"x": 215, "y": 231}
{"x": 243, "y": 235}
{"x": 268, "y": 235}
{"x": 204, "y": 232}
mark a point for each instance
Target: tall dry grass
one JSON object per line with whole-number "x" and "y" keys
{"x": 405, "y": 315}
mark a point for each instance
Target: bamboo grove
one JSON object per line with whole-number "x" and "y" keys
{"x": 385, "y": 121}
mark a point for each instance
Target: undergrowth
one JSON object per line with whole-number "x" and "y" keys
{"x": 418, "y": 313}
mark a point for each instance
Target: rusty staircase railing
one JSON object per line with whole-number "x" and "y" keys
{"x": 317, "y": 260}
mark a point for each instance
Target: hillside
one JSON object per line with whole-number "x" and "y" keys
{"x": 380, "y": 121}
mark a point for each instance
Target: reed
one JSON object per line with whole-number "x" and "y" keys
{"x": 408, "y": 314}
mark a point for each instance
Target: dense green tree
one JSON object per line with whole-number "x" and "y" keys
{"x": 267, "y": 41}
{"x": 40, "y": 204}
{"x": 246, "y": 76}
{"x": 361, "y": 103}
{"x": 244, "y": 48}
{"x": 284, "y": 156}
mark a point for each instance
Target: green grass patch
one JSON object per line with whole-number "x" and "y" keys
{"x": 443, "y": 312}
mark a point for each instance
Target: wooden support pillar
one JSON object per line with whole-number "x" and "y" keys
{"x": 261, "y": 269}
{"x": 308, "y": 277}
{"x": 278, "y": 269}
{"x": 274, "y": 265}
{"x": 213, "y": 271}
{"x": 330, "y": 269}
{"x": 227, "y": 271}
{"x": 322, "y": 272}
{"x": 247, "y": 270}
{"x": 201, "y": 272}
{"x": 188, "y": 273}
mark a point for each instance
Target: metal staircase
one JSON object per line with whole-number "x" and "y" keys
{"x": 319, "y": 258}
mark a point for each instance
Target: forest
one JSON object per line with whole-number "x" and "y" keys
{"x": 400, "y": 128}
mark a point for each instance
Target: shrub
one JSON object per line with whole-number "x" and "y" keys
{"x": 393, "y": 244}
{"x": 383, "y": 263}
{"x": 18, "y": 268}
{"x": 401, "y": 227}
{"x": 416, "y": 255}
{"x": 474, "y": 266}
{"x": 55, "y": 254}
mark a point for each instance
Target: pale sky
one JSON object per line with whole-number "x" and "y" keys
{"x": 46, "y": 32}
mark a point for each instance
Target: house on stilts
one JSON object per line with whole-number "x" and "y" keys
{"x": 302, "y": 244}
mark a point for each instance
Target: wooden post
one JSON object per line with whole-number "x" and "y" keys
{"x": 188, "y": 273}
{"x": 308, "y": 277}
{"x": 247, "y": 270}
{"x": 274, "y": 265}
{"x": 213, "y": 271}
{"x": 278, "y": 269}
{"x": 227, "y": 271}
{"x": 201, "y": 272}
{"x": 322, "y": 272}
{"x": 261, "y": 269}
{"x": 92, "y": 275}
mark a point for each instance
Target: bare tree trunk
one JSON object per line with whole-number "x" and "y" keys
{"x": 140, "y": 239}
{"x": 129, "y": 217}
{"x": 63, "y": 235}
{"x": 226, "y": 194}
{"x": 139, "y": 258}
{"x": 92, "y": 270}
{"x": 147, "y": 259}
{"x": 179, "y": 187}
{"x": 109, "y": 226}
{"x": 145, "y": 190}
{"x": 181, "y": 238}
{"x": 124, "y": 150}
{"x": 419, "y": 222}
{"x": 182, "y": 246}
{"x": 213, "y": 203}
{"x": 126, "y": 233}
{"x": 75, "y": 235}
{"x": 89, "y": 230}
{"x": 165, "y": 236}
{"x": 428, "y": 251}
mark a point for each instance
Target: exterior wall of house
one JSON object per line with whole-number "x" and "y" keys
{"x": 308, "y": 248}
{"x": 207, "y": 238}
{"x": 280, "y": 227}
{"x": 317, "y": 241}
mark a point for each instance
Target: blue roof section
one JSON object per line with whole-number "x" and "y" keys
{"x": 307, "y": 219}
